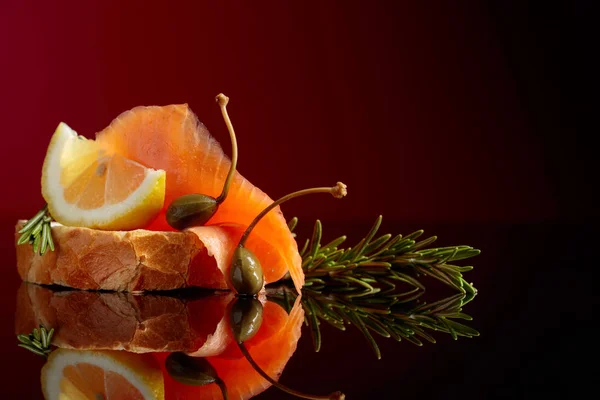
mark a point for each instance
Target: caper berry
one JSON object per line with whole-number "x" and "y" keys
{"x": 245, "y": 318}
{"x": 246, "y": 272}
{"x": 192, "y": 371}
{"x": 191, "y": 210}
{"x": 196, "y": 209}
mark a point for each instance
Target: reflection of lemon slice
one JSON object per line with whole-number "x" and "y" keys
{"x": 86, "y": 185}
{"x": 91, "y": 375}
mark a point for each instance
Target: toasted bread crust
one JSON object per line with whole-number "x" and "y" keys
{"x": 131, "y": 261}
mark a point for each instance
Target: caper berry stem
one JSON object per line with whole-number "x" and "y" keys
{"x": 223, "y": 100}
{"x": 338, "y": 191}
{"x": 246, "y": 353}
{"x": 197, "y": 209}
{"x": 223, "y": 388}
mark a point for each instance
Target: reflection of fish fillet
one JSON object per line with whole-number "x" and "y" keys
{"x": 120, "y": 321}
{"x": 271, "y": 348}
{"x": 123, "y": 261}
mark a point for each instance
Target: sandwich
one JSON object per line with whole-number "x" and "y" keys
{"x": 153, "y": 203}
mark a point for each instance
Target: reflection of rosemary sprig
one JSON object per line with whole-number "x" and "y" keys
{"x": 38, "y": 341}
{"x": 403, "y": 320}
{"x": 374, "y": 286}
{"x": 376, "y": 265}
{"x": 38, "y": 232}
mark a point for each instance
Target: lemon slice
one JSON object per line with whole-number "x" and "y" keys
{"x": 86, "y": 185}
{"x": 78, "y": 375}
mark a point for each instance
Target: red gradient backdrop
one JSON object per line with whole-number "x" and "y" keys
{"x": 418, "y": 108}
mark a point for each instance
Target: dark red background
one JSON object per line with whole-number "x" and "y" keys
{"x": 471, "y": 121}
{"x": 430, "y": 113}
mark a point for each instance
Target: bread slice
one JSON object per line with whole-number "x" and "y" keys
{"x": 85, "y": 320}
{"x": 130, "y": 261}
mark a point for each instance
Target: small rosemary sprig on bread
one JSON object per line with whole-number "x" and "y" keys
{"x": 37, "y": 231}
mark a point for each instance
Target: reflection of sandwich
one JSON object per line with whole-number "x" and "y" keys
{"x": 118, "y": 199}
{"x": 91, "y": 326}
{"x": 85, "y": 320}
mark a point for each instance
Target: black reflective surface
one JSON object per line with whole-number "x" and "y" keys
{"x": 523, "y": 277}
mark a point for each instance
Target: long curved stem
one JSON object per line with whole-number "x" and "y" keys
{"x": 332, "y": 396}
{"x": 223, "y": 100}
{"x": 223, "y": 388}
{"x": 338, "y": 191}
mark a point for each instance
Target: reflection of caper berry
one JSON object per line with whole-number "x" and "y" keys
{"x": 193, "y": 371}
{"x": 246, "y": 273}
{"x": 196, "y": 209}
{"x": 246, "y": 318}
{"x": 245, "y": 321}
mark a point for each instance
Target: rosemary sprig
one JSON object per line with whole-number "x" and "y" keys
{"x": 38, "y": 341}
{"x": 375, "y": 286}
{"x": 37, "y": 231}
{"x": 378, "y": 264}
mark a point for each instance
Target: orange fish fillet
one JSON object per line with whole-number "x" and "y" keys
{"x": 173, "y": 139}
